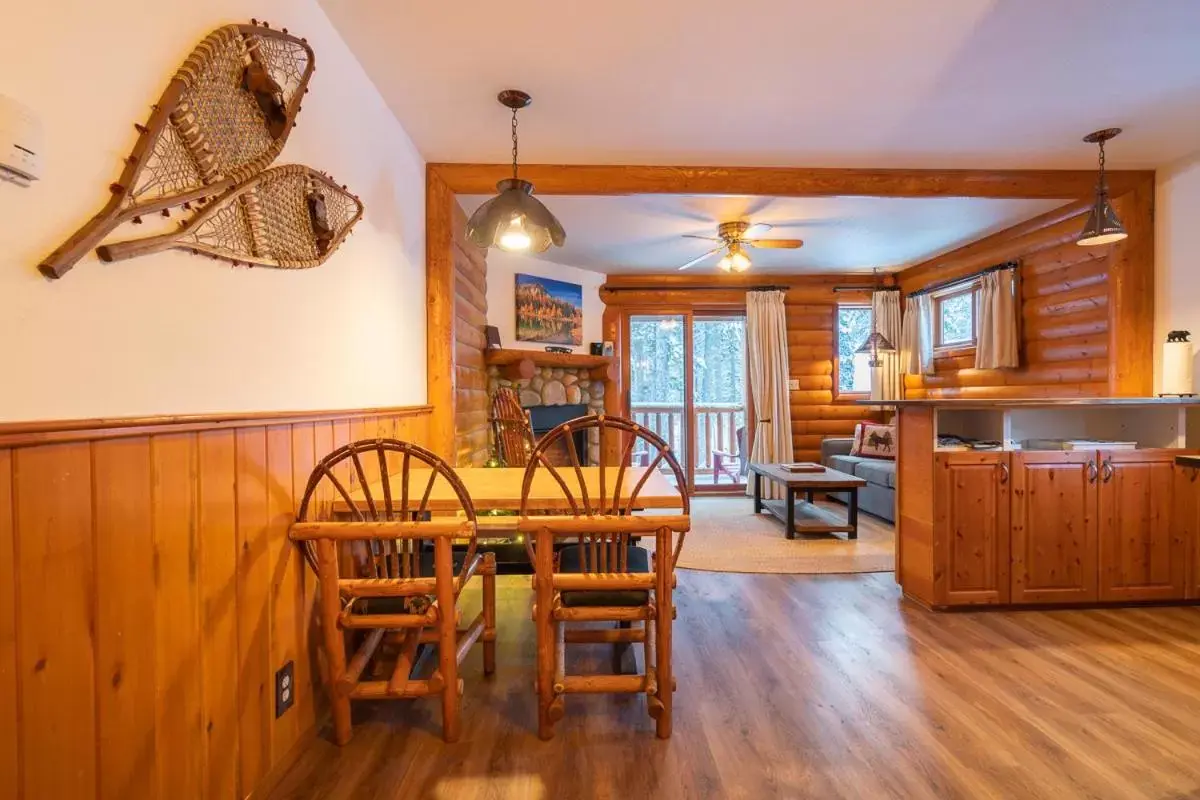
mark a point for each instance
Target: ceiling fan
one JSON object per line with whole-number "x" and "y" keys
{"x": 734, "y": 238}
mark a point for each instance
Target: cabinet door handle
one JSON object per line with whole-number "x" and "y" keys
{"x": 1108, "y": 471}
{"x": 1003, "y": 472}
{"x": 1091, "y": 472}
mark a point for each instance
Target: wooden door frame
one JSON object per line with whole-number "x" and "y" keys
{"x": 443, "y": 181}
{"x": 688, "y": 400}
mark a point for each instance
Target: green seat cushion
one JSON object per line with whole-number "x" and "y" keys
{"x": 637, "y": 560}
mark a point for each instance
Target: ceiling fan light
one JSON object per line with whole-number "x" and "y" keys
{"x": 738, "y": 260}
{"x": 725, "y": 264}
{"x": 1103, "y": 226}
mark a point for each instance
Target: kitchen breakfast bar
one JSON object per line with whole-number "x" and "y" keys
{"x": 1039, "y": 502}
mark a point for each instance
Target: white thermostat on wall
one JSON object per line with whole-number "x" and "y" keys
{"x": 20, "y": 141}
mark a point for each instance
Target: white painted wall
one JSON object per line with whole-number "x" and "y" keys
{"x": 501, "y": 288}
{"x": 175, "y": 333}
{"x": 1177, "y": 258}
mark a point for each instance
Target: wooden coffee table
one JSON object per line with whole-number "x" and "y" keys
{"x": 804, "y": 515}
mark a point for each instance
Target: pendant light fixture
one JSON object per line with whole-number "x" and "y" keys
{"x": 1103, "y": 226}
{"x": 514, "y": 220}
{"x": 876, "y": 343}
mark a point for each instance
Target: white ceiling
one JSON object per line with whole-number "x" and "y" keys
{"x": 644, "y": 233}
{"x": 920, "y": 83}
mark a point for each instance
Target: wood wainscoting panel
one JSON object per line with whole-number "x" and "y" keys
{"x": 149, "y": 593}
{"x": 56, "y": 602}
{"x": 10, "y": 755}
{"x": 179, "y": 710}
{"x": 126, "y": 574}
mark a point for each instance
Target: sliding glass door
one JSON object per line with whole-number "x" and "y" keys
{"x": 719, "y": 402}
{"x": 687, "y": 383}
{"x": 658, "y": 376}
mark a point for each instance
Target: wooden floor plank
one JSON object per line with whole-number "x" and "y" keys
{"x": 813, "y": 686}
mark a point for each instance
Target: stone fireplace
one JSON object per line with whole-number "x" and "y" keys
{"x": 556, "y": 386}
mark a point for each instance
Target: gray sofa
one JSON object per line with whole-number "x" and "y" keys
{"x": 878, "y": 497}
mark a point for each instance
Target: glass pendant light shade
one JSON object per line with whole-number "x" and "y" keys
{"x": 514, "y": 208}
{"x": 1102, "y": 226}
{"x": 514, "y": 220}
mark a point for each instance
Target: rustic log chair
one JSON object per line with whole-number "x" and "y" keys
{"x": 732, "y": 463}
{"x": 406, "y": 578}
{"x": 510, "y": 426}
{"x": 604, "y": 576}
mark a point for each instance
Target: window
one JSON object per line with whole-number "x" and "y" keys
{"x": 852, "y": 372}
{"x": 954, "y": 318}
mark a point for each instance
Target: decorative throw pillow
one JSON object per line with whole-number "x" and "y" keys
{"x": 858, "y": 438}
{"x": 878, "y": 441}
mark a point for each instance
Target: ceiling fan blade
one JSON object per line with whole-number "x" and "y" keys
{"x": 698, "y": 259}
{"x": 757, "y": 229}
{"x": 776, "y": 244}
{"x": 705, "y": 238}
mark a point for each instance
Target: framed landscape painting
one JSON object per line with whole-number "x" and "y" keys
{"x": 549, "y": 311}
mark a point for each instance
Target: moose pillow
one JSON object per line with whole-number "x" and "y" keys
{"x": 874, "y": 441}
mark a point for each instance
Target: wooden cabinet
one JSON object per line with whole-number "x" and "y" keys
{"x": 1142, "y": 553}
{"x": 1185, "y": 504}
{"x": 1054, "y": 527}
{"x": 971, "y": 528}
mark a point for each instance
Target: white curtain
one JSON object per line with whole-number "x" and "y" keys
{"x": 767, "y": 360}
{"x": 886, "y": 380}
{"x": 916, "y": 342}
{"x": 996, "y": 345}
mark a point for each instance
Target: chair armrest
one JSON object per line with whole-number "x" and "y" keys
{"x": 836, "y": 446}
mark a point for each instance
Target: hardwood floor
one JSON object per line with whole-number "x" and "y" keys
{"x": 814, "y": 686}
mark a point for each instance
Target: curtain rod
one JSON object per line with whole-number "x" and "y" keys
{"x": 692, "y": 287}
{"x": 867, "y": 288}
{"x": 937, "y": 287}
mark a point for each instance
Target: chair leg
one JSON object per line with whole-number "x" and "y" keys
{"x": 447, "y": 640}
{"x": 334, "y": 638}
{"x": 662, "y": 623}
{"x": 620, "y": 650}
{"x": 544, "y": 627}
{"x": 489, "y": 614}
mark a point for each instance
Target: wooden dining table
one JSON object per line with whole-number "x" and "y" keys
{"x": 499, "y": 488}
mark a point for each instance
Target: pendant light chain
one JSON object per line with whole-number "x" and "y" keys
{"x": 515, "y": 143}
{"x": 1102, "y": 162}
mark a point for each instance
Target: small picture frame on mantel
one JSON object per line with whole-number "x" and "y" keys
{"x": 492, "y": 334}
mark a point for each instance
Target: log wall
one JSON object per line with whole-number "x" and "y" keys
{"x": 1068, "y": 334}
{"x": 470, "y": 372}
{"x": 811, "y": 305}
{"x": 149, "y": 593}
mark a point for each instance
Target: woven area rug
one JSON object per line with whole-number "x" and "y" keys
{"x": 727, "y": 536}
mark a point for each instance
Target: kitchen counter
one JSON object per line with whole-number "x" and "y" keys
{"x": 1036, "y": 402}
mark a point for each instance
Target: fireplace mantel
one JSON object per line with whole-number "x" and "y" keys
{"x": 522, "y": 364}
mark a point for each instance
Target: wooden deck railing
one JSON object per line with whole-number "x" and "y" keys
{"x": 715, "y": 428}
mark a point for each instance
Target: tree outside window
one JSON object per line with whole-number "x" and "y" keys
{"x": 853, "y": 327}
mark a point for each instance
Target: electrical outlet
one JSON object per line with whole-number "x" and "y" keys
{"x": 793, "y": 384}
{"x": 285, "y": 688}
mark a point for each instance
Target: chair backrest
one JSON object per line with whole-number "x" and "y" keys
{"x": 598, "y": 502}
{"x": 743, "y": 454}
{"x": 510, "y": 425}
{"x": 378, "y": 480}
